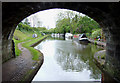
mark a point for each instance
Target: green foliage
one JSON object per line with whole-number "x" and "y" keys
{"x": 18, "y": 35}
{"x": 17, "y": 51}
{"x": 69, "y": 22}
{"x": 24, "y": 32}
{"x": 34, "y": 52}
{"x": 87, "y": 25}
{"x": 23, "y": 37}
{"x": 88, "y": 34}
{"x": 63, "y": 25}
{"x": 26, "y": 22}
{"x": 41, "y": 28}
{"x": 96, "y": 33}
{"x": 50, "y": 31}
{"x": 75, "y": 23}
{"x": 30, "y": 30}
{"x": 23, "y": 27}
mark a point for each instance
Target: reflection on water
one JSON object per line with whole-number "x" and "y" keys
{"x": 67, "y": 61}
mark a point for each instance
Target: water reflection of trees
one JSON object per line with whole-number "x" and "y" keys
{"x": 78, "y": 60}
{"x": 69, "y": 62}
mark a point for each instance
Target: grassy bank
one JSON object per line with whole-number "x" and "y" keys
{"x": 33, "y": 51}
{"x": 24, "y": 37}
{"x": 17, "y": 51}
{"x": 28, "y": 40}
{"x": 18, "y": 37}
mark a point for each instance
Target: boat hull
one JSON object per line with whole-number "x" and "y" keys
{"x": 84, "y": 41}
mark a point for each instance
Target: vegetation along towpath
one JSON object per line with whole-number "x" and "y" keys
{"x": 23, "y": 67}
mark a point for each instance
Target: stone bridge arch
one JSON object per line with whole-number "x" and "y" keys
{"x": 106, "y": 14}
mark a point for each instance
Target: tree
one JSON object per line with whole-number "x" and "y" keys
{"x": 41, "y": 28}
{"x": 96, "y": 33}
{"x": 26, "y": 22}
{"x": 75, "y": 23}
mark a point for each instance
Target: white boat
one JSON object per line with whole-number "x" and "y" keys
{"x": 53, "y": 35}
{"x": 68, "y": 35}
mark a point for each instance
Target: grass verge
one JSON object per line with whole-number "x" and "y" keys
{"x": 21, "y": 37}
{"x": 17, "y": 51}
{"x": 33, "y": 51}
{"x": 24, "y": 37}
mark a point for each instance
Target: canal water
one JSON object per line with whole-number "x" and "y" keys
{"x": 66, "y": 60}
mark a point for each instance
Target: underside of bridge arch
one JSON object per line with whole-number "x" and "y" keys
{"x": 106, "y": 14}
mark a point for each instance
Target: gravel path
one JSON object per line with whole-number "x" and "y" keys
{"x": 15, "y": 69}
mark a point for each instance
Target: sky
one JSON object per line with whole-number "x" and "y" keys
{"x": 47, "y": 18}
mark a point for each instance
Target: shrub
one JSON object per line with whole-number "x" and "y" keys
{"x": 96, "y": 33}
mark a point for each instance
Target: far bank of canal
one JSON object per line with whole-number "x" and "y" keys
{"x": 65, "y": 60}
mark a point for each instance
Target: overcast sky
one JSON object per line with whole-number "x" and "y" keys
{"x": 47, "y": 17}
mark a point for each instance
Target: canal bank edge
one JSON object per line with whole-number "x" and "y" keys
{"x": 32, "y": 72}
{"x": 102, "y": 44}
{"x": 107, "y": 78}
{"x": 36, "y": 43}
{"x": 98, "y": 56}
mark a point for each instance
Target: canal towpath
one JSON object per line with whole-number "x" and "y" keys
{"x": 20, "y": 68}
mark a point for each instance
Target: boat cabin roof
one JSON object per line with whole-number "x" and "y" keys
{"x": 83, "y": 36}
